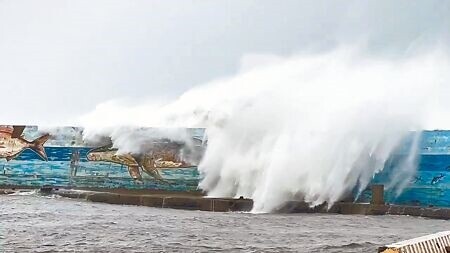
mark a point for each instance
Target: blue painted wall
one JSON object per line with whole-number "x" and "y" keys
{"x": 429, "y": 186}
{"x": 28, "y": 169}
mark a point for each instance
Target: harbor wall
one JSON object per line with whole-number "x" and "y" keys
{"x": 429, "y": 185}
{"x": 168, "y": 165}
{"x": 73, "y": 163}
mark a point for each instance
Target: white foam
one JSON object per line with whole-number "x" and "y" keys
{"x": 308, "y": 127}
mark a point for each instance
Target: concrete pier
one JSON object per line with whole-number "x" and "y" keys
{"x": 196, "y": 201}
{"x": 176, "y": 201}
{"x": 190, "y": 202}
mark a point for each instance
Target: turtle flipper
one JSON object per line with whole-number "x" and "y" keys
{"x": 135, "y": 173}
{"x": 155, "y": 174}
{"x": 147, "y": 164}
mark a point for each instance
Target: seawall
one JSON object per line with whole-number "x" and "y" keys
{"x": 174, "y": 200}
{"x": 377, "y": 205}
{"x": 196, "y": 201}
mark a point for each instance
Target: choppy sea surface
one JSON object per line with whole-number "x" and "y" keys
{"x": 54, "y": 224}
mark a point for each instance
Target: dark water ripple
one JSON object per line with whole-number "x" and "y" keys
{"x": 43, "y": 224}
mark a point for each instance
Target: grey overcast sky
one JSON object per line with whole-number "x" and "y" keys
{"x": 60, "y": 58}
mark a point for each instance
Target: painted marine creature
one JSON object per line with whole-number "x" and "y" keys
{"x": 437, "y": 179}
{"x": 134, "y": 163}
{"x": 157, "y": 155}
{"x": 12, "y": 143}
{"x": 417, "y": 179}
{"x": 166, "y": 164}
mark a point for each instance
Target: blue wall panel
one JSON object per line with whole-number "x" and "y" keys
{"x": 69, "y": 165}
{"x": 430, "y": 184}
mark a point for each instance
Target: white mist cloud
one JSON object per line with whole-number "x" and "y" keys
{"x": 308, "y": 127}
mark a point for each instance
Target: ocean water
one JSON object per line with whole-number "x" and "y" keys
{"x": 36, "y": 223}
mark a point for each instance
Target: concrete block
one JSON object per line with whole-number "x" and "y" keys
{"x": 104, "y": 198}
{"x": 128, "y": 199}
{"x": 72, "y": 195}
{"x": 206, "y": 204}
{"x": 188, "y": 203}
{"x": 222, "y": 205}
{"x": 354, "y": 208}
{"x": 303, "y": 207}
{"x": 242, "y": 205}
{"x": 378, "y": 209}
{"x": 413, "y": 211}
{"x": 436, "y": 213}
{"x": 83, "y": 195}
{"x": 152, "y": 201}
{"x": 334, "y": 209}
{"x": 377, "y": 194}
{"x": 395, "y": 210}
{"x": 322, "y": 208}
{"x": 295, "y": 207}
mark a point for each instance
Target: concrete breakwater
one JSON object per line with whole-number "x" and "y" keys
{"x": 196, "y": 201}
{"x": 377, "y": 206}
{"x": 193, "y": 202}
{"x": 369, "y": 209}
{"x": 176, "y": 201}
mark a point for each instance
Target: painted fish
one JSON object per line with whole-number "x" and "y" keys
{"x": 11, "y": 147}
{"x": 437, "y": 179}
{"x": 134, "y": 164}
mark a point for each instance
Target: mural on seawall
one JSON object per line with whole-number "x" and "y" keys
{"x": 60, "y": 157}
{"x": 30, "y": 156}
{"x": 430, "y": 184}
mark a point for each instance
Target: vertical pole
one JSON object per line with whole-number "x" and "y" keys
{"x": 377, "y": 194}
